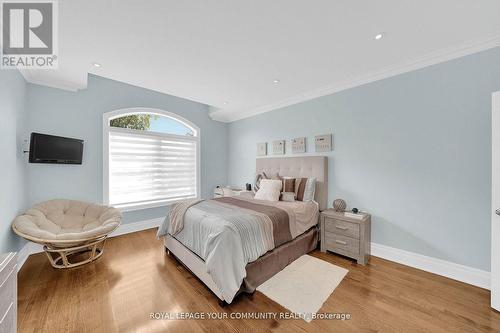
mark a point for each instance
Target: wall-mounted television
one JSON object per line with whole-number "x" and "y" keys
{"x": 46, "y": 148}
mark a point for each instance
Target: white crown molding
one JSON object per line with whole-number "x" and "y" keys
{"x": 429, "y": 59}
{"x": 127, "y": 228}
{"x": 469, "y": 275}
{"x": 27, "y": 74}
{"x": 59, "y": 82}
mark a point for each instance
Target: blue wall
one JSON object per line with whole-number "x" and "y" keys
{"x": 79, "y": 115}
{"x": 414, "y": 150}
{"x": 13, "y": 163}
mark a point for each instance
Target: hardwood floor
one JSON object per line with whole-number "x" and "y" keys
{"x": 135, "y": 277}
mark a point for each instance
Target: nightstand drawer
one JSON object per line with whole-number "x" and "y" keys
{"x": 338, "y": 242}
{"x": 7, "y": 322}
{"x": 8, "y": 265}
{"x": 342, "y": 228}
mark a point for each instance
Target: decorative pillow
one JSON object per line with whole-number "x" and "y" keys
{"x": 305, "y": 188}
{"x": 288, "y": 184}
{"x": 261, "y": 176}
{"x": 288, "y": 196}
{"x": 270, "y": 189}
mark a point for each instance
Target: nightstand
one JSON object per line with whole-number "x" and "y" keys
{"x": 346, "y": 235}
{"x": 231, "y": 192}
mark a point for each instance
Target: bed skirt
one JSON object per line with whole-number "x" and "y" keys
{"x": 274, "y": 261}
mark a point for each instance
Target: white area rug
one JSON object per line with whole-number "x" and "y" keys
{"x": 304, "y": 285}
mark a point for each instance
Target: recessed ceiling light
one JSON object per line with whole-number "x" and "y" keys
{"x": 379, "y": 36}
{"x": 225, "y": 103}
{"x": 276, "y": 81}
{"x": 96, "y": 65}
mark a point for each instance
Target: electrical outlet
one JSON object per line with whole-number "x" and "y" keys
{"x": 299, "y": 145}
{"x": 262, "y": 149}
{"x": 279, "y": 147}
{"x": 323, "y": 143}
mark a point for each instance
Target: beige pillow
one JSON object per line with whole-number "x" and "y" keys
{"x": 270, "y": 190}
{"x": 288, "y": 196}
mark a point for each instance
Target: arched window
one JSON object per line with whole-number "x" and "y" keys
{"x": 150, "y": 158}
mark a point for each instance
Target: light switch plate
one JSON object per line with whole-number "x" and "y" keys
{"x": 299, "y": 145}
{"x": 323, "y": 143}
{"x": 279, "y": 147}
{"x": 262, "y": 149}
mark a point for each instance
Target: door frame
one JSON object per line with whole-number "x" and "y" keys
{"x": 495, "y": 201}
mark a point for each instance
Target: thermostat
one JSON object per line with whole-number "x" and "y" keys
{"x": 323, "y": 142}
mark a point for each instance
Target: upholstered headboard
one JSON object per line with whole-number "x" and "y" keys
{"x": 303, "y": 166}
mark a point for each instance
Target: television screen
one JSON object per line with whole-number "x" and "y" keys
{"x": 55, "y": 149}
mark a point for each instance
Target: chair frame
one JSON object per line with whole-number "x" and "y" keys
{"x": 59, "y": 256}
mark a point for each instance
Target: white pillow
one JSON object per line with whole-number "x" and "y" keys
{"x": 270, "y": 189}
{"x": 260, "y": 176}
{"x": 310, "y": 189}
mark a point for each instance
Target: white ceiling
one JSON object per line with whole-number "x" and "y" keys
{"x": 216, "y": 51}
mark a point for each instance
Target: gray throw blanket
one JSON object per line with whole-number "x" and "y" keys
{"x": 176, "y": 217}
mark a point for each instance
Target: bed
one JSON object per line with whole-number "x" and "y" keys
{"x": 233, "y": 244}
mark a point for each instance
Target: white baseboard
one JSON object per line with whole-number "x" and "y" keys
{"x": 31, "y": 248}
{"x": 137, "y": 226}
{"x": 470, "y": 275}
{"x": 24, "y": 253}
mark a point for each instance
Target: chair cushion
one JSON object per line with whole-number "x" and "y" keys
{"x": 66, "y": 220}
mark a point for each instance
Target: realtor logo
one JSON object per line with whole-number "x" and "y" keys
{"x": 29, "y": 34}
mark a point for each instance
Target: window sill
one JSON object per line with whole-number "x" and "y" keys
{"x": 155, "y": 204}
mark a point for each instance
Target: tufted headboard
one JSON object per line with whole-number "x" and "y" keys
{"x": 303, "y": 166}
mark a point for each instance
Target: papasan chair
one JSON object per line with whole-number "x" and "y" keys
{"x": 67, "y": 229}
